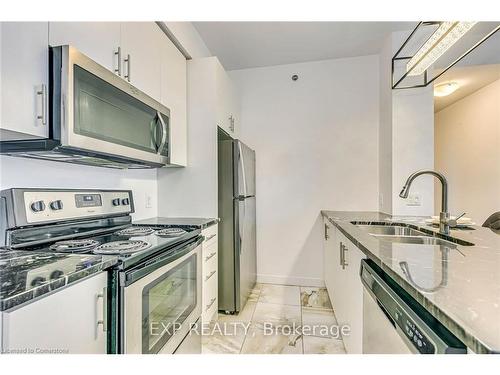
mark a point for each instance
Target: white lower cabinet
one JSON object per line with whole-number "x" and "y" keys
{"x": 71, "y": 320}
{"x": 210, "y": 275}
{"x": 342, "y": 260}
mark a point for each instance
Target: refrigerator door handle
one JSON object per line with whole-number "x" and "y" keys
{"x": 242, "y": 162}
{"x": 242, "y": 222}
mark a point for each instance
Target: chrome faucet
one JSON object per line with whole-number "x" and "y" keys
{"x": 445, "y": 220}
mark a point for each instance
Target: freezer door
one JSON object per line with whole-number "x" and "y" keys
{"x": 245, "y": 170}
{"x": 246, "y": 250}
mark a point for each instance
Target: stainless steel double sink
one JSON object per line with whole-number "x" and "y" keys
{"x": 402, "y": 233}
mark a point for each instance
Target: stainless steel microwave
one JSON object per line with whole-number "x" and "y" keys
{"x": 97, "y": 118}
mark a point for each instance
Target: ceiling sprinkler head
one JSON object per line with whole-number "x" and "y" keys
{"x": 295, "y": 77}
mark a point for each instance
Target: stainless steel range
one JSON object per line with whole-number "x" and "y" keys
{"x": 154, "y": 293}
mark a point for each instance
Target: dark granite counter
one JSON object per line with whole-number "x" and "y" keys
{"x": 459, "y": 285}
{"x": 28, "y": 275}
{"x": 198, "y": 222}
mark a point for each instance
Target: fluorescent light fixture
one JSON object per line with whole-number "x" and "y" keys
{"x": 446, "y": 35}
{"x": 445, "y": 89}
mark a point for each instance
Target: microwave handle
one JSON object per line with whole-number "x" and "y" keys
{"x": 164, "y": 132}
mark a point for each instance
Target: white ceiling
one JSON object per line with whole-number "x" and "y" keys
{"x": 469, "y": 78}
{"x": 240, "y": 45}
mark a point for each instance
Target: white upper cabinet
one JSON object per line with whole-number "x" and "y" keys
{"x": 174, "y": 96}
{"x": 228, "y": 103}
{"x": 98, "y": 40}
{"x": 24, "y": 79}
{"x": 141, "y": 56}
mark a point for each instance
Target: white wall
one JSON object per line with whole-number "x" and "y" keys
{"x": 406, "y": 138}
{"x": 20, "y": 172}
{"x": 413, "y": 148}
{"x": 385, "y": 128}
{"x": 316, "y": 148}
{"x": 467, "y": 135}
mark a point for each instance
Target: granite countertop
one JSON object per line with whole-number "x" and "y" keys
{"x": 199, "y": 222}
{"x": 19, "y": 269}
{"x": 459, "y": 285}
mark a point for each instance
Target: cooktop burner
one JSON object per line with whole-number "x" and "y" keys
{"x": 135, "y": 231}
{"x": 170, "y": 232}
{"x": 74, "y": 246}
{"x": 122, "y": 247}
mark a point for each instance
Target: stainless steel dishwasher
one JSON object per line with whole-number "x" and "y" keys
{"x": 395, "y": 323}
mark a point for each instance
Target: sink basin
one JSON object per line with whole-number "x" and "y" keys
{"x": 417, "y": 240}
{"x": 390, "y": 230}
{"x": 404, "y": 233}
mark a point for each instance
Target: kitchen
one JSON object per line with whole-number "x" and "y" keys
{"x": 158, "y": 177}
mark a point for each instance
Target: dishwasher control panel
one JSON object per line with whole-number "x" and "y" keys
{"x": 420, "y": 342}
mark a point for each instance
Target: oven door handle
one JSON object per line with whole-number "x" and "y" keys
{"x": 152, "y": 265}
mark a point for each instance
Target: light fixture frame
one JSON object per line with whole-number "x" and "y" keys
{"x": 396, "y": 57}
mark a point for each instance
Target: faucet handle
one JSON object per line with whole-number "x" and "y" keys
{"x": 454, "y": 222}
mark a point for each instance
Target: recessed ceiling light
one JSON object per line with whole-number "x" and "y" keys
{"x": 446, "y": 35}
{"x": 445, "y": 89}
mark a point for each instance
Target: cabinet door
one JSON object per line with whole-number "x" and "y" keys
{"x": 174, "y": 96}
{"x": 330, "y": 268}
{"x": 354, "y": 298}
{"x": 24, "y": 78}
{"x": 140, "y": 42}
{"x": 224, "y": 92}
{"x": 97, "y": 40}
{"x": 69, "y": 319}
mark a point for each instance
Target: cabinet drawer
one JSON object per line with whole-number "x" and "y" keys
{"x": 209, "y": 310}
{"x": 208, "y": 232}
{"x": 209, "y": 252}
{"x": 210, "y": 269}
{"x": 209, "y": 295}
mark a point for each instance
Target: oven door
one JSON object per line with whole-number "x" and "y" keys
{"x": 161, "y": 301}
{"x": 99, "y": 112}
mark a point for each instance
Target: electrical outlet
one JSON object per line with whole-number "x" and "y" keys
{"x": 414, "y": 199}
{"x": 149, "y": 201}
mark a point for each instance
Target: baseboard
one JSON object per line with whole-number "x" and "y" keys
{"x": 290, "y": 280}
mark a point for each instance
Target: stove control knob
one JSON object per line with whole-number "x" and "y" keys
{"x": 37, "y": 281}
{"x": 37, "y": 206}
{"x": 56, "y": 205}
{"x": 125, "y": 201}
{"x": 116, "y": 202}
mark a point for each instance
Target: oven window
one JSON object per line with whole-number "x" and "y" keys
{"x": 104, "y": 112}
{"x": 166, "y": 303}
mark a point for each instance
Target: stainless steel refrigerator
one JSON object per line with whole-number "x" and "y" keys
{"x": 237, "y": 239}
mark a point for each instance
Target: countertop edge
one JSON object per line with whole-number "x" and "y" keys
{"x": 20, "y": 300}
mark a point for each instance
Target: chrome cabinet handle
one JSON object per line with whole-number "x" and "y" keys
{"x": 344, "y": 261}
{"x": 118, "y": 69}
{"x": 42, "y": 91}
{"x": 104, "y": 320}
{"x": 210, "y": 256}
{"x": 341, "y": 252}
{"x": 327, "y": 236}
{"x": 127, "y": 61}
{"x": 210, "y": 237}
{"x": 210, "y": 275}
{"x": 210, "y": 304}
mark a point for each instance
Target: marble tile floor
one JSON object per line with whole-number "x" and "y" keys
{"x": 277, "y": 309}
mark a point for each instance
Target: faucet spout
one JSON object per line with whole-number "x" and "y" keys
{"x": 444, "y": 226}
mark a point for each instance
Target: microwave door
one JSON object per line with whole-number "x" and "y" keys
{"x": 103, "y": 114}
